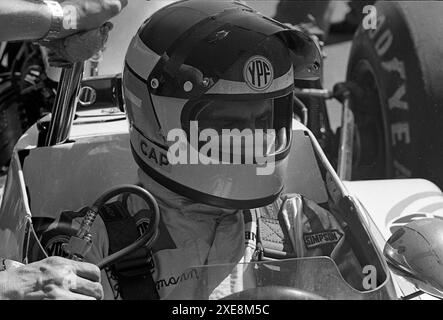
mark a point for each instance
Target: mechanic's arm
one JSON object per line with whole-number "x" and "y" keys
{"x": 51, "y": 278}
{"x": 31, "y": 20}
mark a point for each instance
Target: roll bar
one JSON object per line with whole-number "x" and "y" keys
{"x": 65, "y": 105}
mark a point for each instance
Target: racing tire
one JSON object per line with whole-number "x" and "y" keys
{"x": 396, "y": 71}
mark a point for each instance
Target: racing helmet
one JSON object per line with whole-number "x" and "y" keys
{"x": 208, "y": 89}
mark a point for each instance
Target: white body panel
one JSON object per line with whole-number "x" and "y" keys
{"x": 388, "y": 200}
{"x": 392, "y": 203}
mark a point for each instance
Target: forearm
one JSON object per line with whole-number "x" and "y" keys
{"x": 23, "y": 20}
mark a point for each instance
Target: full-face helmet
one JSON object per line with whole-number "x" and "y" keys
{"x": 198, "y": 70}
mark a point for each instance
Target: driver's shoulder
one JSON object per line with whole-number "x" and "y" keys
{"x": 284, "y": 200}
{"x": 294, "y": 204}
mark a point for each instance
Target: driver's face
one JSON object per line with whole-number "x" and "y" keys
{"x": 240, "y": 115}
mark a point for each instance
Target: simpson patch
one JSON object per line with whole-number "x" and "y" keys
{"x": 313, "y": 240}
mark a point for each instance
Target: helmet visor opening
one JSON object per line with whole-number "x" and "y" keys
{"x": 253, "y": 127}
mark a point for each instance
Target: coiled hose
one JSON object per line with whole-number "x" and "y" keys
{"x": 150, "y": 235}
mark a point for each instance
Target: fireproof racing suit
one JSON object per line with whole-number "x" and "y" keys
{"x": 196, "y": 234}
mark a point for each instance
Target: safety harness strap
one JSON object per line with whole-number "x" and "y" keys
{"x": 133, "y": 272}
{"x": 273, "y": 234}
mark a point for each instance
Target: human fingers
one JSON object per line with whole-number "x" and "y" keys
{"x": 57, "y": 293}
{"x": 87, "y": 288}
{"x": 87, "y": 270}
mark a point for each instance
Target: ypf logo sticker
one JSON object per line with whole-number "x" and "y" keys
{"x": 258, "y": 73}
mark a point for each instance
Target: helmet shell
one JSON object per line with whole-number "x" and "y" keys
{"x": 213, "y": 50}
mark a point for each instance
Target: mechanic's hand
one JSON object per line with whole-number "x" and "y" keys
{"x": 91, "y": 14}
{"x": 78, "y": 47}
{"x": 55, "y": 278}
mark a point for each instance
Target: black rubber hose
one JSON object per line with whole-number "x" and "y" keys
{"x": 148, "y": 238}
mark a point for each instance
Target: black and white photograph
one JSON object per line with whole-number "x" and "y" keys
{"x": 242, "y": 153}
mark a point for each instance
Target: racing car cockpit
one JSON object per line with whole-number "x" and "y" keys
{"x": 66, "y": 177}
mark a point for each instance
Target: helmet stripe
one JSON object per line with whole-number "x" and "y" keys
{"x": 141, "y": 58}
{"x": 234, "y": 87}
